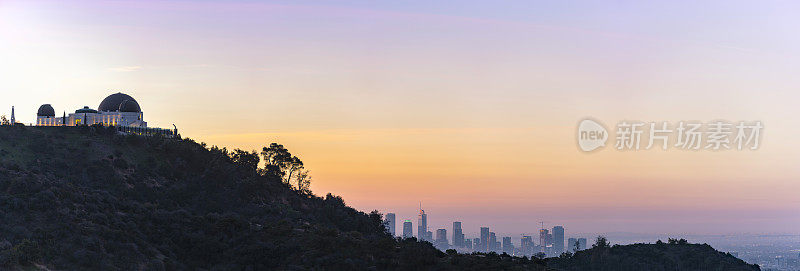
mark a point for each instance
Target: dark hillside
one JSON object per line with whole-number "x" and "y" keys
{"x": 86, "y": 198}
{"x": 675, "y": 255}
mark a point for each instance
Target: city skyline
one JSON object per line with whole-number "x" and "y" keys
{"x": 471, "y": 109}
{"x": 552, "y": 242}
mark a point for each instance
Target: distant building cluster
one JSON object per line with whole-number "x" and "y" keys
{"x": 551, "y": 242}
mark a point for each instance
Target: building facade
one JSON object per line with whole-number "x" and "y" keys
{"x": 545, "y": 239}
{"x": 117, "y": 109}
{"x": 494, "y": 245}
{"x": 422, "y": 225}
{"x": 526, "y": 245}
{"x": 558, "y": 239}
{"x": 484, "y": 244}
{"x": 408, "y": 230}
{"x": 458, "y": 235}
{"x": 441, "y": 239}
{"x": 572, "y": 245}
{"x": 390, "y": 223}
{"x": 581, "y": 243}
{"x": 508, "y": 247}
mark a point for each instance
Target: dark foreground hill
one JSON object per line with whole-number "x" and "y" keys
{"x": 675, "y": 255}
{"x": 85, "y": 198}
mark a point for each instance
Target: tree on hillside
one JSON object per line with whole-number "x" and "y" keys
{"x": 601, "y": 242}
{"x": 675, "y": 241}
{"x": 245, "y": 158}
{"x": 291, "y": 169}
{"x": 304, "y": 181}
{"x": 280, "y": 163}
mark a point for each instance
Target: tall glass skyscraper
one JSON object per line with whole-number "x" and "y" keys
{"x": 484, "y": 239}
{"x": 408, "y": 230}
{"x": 558, "y": 239}
{"x": 390, "y": 223}
{"x": 508, "y": 246}
{"x": 572, "y": 245}
{"x": 526, "y": 245}
{"x": 458, "y": 235}
{"x": 441, "y": 239}
{"x": 422, "y": 225}
{"x": 544, "y": 239}
{"x": 493, "y": 244}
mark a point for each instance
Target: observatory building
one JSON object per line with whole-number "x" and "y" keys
{"x": 117, "y": 109}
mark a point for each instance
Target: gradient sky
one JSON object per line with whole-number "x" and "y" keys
{"x": 469, "y": 107}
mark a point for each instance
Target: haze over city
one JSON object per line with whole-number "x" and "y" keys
{"x": 469, "y": 109}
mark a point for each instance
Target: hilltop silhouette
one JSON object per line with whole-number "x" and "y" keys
{"x": 673, "y": 255}
{"x": 88, "y": 198}
{"x": 77, "y": 198}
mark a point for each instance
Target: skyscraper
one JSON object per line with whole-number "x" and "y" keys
{"x": 390, "y": 223}
{"x": 408, "y": 230}
{"x": 581, "y": 243}
{"x": 526, "y": 245}
{"x": 441, "y": 239}
{"x": 543, "y": 238}
{"x": 484, "y": 239}
{"x": 572, "y": 245}
{"x": 476, "y": 244}
{"x": 422, "y": 224}
{"x": 493, "y": 244}
{"x": 13, "y": 118}
{"x": 558, "y": 240}
{"x": 458, "y": 235}
{"x": 468, "y": 243}
{"x": 508, "y": 247}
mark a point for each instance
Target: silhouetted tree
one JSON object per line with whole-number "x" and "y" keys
{"x": 280, "y": 163}
{"x": 245, "y": 158}
{"x": 601, "y": 242}
{"x": 275, "y": 157}
{"x": 304, "y": 182}
{"x": 291, "y": 168}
